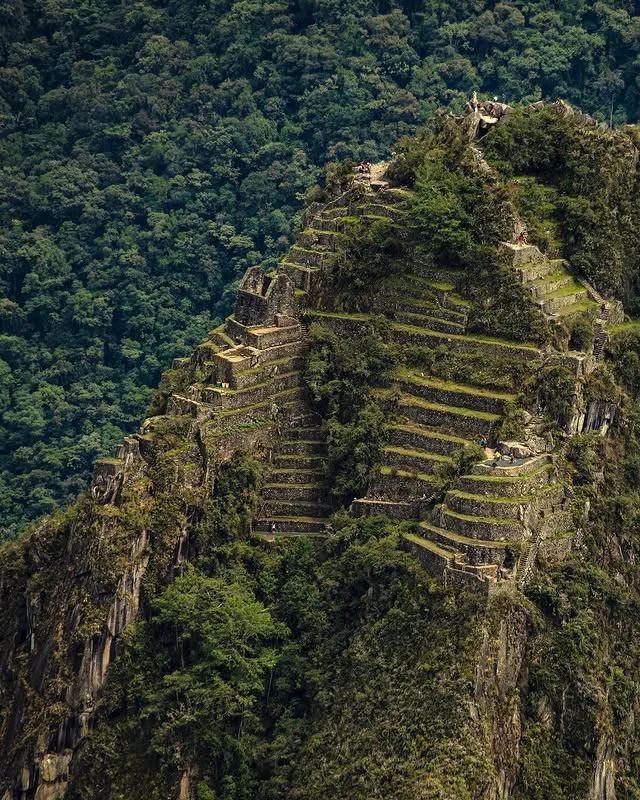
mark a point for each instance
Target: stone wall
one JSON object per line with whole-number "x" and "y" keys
{"x": 512, "y": 487}
{"x": 468, "y": 345}
{"x": 434, "y": 563}
{"x": 462, "y": 424}
{"x": 447, "y": 397}
{"x": 461, "y": 580}
{"x": 409, "y": 439}
{"x": 477, "y": 528}
{"x": 226, "y": 399}
{"x": 399, "y": 487}
{"x": 262, "y": 297}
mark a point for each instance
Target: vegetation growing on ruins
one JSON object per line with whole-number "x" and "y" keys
{"x": 151, "y": 153}
{"x": 334, "y": 666}
{"x": 340, "y": 373}
{"x": 581, "y": 190}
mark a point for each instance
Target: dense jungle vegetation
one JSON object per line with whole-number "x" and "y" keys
{"x": 256, "y": 669}
{"x": 149, "y": 153}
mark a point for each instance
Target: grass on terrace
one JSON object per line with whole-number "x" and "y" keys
{"x": 412, "y": 376}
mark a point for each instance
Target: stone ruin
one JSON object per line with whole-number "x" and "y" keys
{"x": 265, "y": 300}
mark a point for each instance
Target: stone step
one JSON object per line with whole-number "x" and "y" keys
{"x": 422, "y": 438}
{"x": 292, "y": 492}
{"x": 381, "y": 210}
{"x": 426, "y": 308}
{"x": 426, "y": 463}
{"x": 519, "y": 254}
{"x": 539, "y": 269}
{"x": 306, "y": 257}
{"x": 448, "y": 393}
{"x": 300, "y": 447}
{"x": 505, "y": 485}
{"x": 305, "y": 434}
{"x": 484, "y": 528}
{"x": 288, "y": 508}
{"x": 553, "y": 302}
{"x": 453, "y": 419}
{"x": 272, "y": 408}
{"x": 392, "y": 483}
{"x": 263, "y": 337}
{"x": 399, "y": 288}
{"x": 299, "y": 462}
{"x": 454, "y": 302}
{"x": 242, "y": 358}
{"x": 475, "y": 551}
{"x": 291, "y": 524}
{"x": 303, "y": 476}
{"x": 432, "y": 323}
{"x": 227, "y": 399}
{"x": 550, "y": 497}
{"x": 221, "y": 339}
{"x": 433, "y": 557}
{"x": 582, "y": 307}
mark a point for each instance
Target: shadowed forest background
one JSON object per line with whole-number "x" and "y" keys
{"x": 151, "y": 152}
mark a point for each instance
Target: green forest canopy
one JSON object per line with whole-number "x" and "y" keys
{"x": 150, "y": 153}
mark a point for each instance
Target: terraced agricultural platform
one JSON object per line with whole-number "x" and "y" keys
{"x": 552, "y": 286}
{"x": 248, "y": 392}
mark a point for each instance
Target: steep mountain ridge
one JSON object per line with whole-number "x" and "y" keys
{"x": 72, "y": 587}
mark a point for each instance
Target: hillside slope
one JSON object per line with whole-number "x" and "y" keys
{"x": 152, "y": 153}
{"x": 305, "y": 576}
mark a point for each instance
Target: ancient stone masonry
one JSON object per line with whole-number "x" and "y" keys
{"x": 242, "y": 390}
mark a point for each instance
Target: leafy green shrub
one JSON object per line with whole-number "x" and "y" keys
{"x": 511, "y": 426}
{"x": 366, "y": 256}
{"x": 462, "y": 462}
{"x": 354, "y": 447}
{"x": 581, "y": 334}
{"x": 339, "y": 370}
{"x": 585, "y": 454}
{"x": 556, "y": 389}
{"x": 339, "y": 373}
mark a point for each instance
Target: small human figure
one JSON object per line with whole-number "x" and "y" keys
{"x": 273, "y": 528}
{"x": 522, "y": 238}
{"x": 497, "y": 455}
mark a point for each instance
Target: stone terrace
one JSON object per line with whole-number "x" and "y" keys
{"x": 551, "y": 284}
{"x": 248, "y": 392}
{"x": 495, "y": 522}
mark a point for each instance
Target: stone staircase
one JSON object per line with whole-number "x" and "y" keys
{"x": 294, "y": 500}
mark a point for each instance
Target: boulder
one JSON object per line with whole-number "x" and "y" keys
{"x": 515, "y": 449}
{"x": 537, "y": 444}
